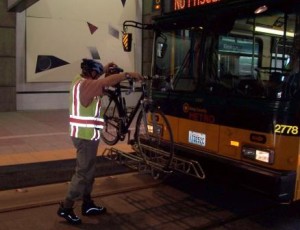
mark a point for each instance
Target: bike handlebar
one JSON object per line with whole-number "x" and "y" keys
{"x": 132, "y": 87}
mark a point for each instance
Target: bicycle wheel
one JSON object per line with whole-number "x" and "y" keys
{"x": 154, "y": 138}
{"x": 110, "y": 111}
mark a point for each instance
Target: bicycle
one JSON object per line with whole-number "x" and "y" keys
{"x": 153, "y": 137}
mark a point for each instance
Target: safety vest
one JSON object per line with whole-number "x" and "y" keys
{"x": 85, "y": 122}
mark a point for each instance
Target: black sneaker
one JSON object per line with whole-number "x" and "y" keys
{"x": 68, "y": 214}
{"x": 90, "y": 209}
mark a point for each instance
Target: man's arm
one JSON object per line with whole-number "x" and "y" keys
{"x": 93, "y": 88}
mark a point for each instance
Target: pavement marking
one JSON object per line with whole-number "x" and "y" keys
{"x": 32, "y": 135}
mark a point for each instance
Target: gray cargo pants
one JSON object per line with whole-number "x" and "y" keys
{"x": 82, "y": 181}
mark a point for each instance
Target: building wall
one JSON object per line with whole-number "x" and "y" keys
{"x": 16, "y": 93}
{"x": 35, "y": 96}
{"x": 39, "y": 91}
{"x": 7, "y": 59}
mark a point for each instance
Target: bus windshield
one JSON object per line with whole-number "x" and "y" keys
{"x": 255, "y": 56}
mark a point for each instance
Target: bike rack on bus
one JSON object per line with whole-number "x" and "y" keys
{"x": 134, "y": 161}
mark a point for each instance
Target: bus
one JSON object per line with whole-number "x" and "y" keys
{"x": 232, "y": 87}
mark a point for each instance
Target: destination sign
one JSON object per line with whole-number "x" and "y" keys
{"x": 186, "y": 4}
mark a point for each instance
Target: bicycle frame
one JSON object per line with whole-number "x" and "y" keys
{"x": 125, "y": 118}
{"x": 153, "y": 138}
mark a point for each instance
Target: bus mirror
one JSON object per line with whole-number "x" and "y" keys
{"x": 161, "y": 49}
{"x": 126, "y": 41}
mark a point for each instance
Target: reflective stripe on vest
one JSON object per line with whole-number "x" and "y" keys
{"x": 88, "y": 122}
{"x": 82, "y": 124}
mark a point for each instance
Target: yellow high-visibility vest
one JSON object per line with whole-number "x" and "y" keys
{"x": 85, "y": 122}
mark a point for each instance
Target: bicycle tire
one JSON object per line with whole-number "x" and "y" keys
{"x": 154, "y": 138}
{"x": 110, "y": 111}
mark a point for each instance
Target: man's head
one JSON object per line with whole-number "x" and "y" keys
{"x": 91, "y": 68}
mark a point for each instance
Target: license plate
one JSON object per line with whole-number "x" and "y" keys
{"x": 197, "y": 138}
{"x": 262, "y": 156}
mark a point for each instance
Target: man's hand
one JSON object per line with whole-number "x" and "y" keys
{"x": 108, "y": 66}
{"x": 134, "y": 75}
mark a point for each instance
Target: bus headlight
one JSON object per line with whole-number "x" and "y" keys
{"x": 262, "y": 155}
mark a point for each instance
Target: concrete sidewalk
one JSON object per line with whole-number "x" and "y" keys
{"x": 18, "y": 199}
{"x": 36, "y": 207}
{"x": 34, "y": 136}
{"x": 37, "y": 136}
{"x": 35, "y": 149}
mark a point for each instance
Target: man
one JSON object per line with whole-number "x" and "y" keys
{"x": 85, "y": 125}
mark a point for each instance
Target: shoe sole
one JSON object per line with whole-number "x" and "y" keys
{"x": 68, "y": 220}
{"x": 94, "y": 214}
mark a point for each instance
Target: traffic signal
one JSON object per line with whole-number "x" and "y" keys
{"x": 156, "y": 5}
{"x": 126, "y": 41}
